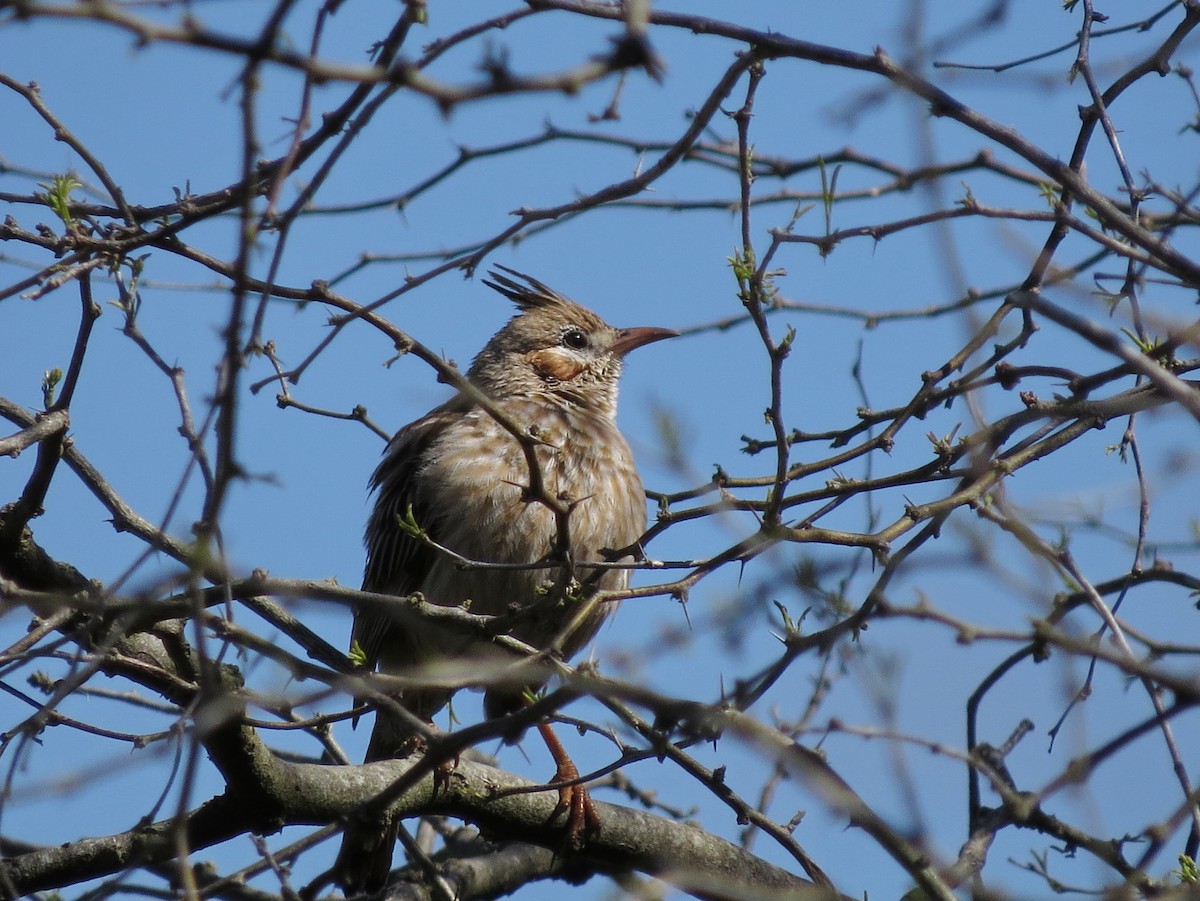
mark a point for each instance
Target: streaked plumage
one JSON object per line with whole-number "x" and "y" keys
{"x": 553, "y": 368}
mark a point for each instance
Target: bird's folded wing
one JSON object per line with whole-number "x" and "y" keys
{"x": 397, "y": 562}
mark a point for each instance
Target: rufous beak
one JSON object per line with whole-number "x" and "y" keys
{"x": 631, "y": 338}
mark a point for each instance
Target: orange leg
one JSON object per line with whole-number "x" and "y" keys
{"x": 582, "y": 818}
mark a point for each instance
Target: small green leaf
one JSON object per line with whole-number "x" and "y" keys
{"x": 968, "y": 200}
{"x": 785, "y": 344}
{"x": 58, "y": 195}
{"x": 789, "y": 626}
{"x": 356, "y": 654}
{"x": 408, "y": 524}
{"x": 1187, "y": 872}
{"x": 828, "y": 191}
{"x": 50, "y": 380}
{"x": 1049, "y": 194}
{"x": 1146, "y": 345}
{"x": 748, "y": 164}
{"x": 742, "y": 265}
{"x": 531, "y": 696}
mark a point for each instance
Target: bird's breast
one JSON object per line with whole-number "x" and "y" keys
{"x": 477, "y": 479}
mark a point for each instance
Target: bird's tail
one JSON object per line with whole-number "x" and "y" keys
{"x": 365, "y": 858}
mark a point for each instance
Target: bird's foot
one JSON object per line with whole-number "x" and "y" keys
{"x": 430, "y": 747}
{"x": 442, "y": 772}
{"x": 582, "y": 818}
{"x": 573, "y": 799}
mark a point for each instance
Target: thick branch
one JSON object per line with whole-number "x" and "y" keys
{"x": 311, "y": 794}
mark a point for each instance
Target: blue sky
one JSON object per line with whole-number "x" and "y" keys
{"x": 165, "y": 118}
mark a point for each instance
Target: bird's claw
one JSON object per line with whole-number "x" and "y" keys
{"x": 441, "y": 774}
{"x": 583, "y": 821}
{"x": 573, "y": 798}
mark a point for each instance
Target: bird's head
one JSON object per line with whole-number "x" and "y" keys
{"x": 555, "y": 348}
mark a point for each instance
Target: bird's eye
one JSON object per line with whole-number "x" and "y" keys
{"x": 575, "y": 339}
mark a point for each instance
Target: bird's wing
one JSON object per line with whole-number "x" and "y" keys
{"x": 397, "y": 563}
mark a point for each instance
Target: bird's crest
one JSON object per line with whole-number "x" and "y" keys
{"x": 524, "y": 290}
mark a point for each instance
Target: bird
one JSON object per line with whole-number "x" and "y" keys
{"x": 461, "y": 478}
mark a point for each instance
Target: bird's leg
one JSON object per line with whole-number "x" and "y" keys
{"x": 582, "y": 818}
{"x": 441, "y": 774}
{"x": 416, "y": 743}
{"x": 445, "y": 767}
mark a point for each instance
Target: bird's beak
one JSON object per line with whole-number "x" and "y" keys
{"x": 630, "y": 338}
